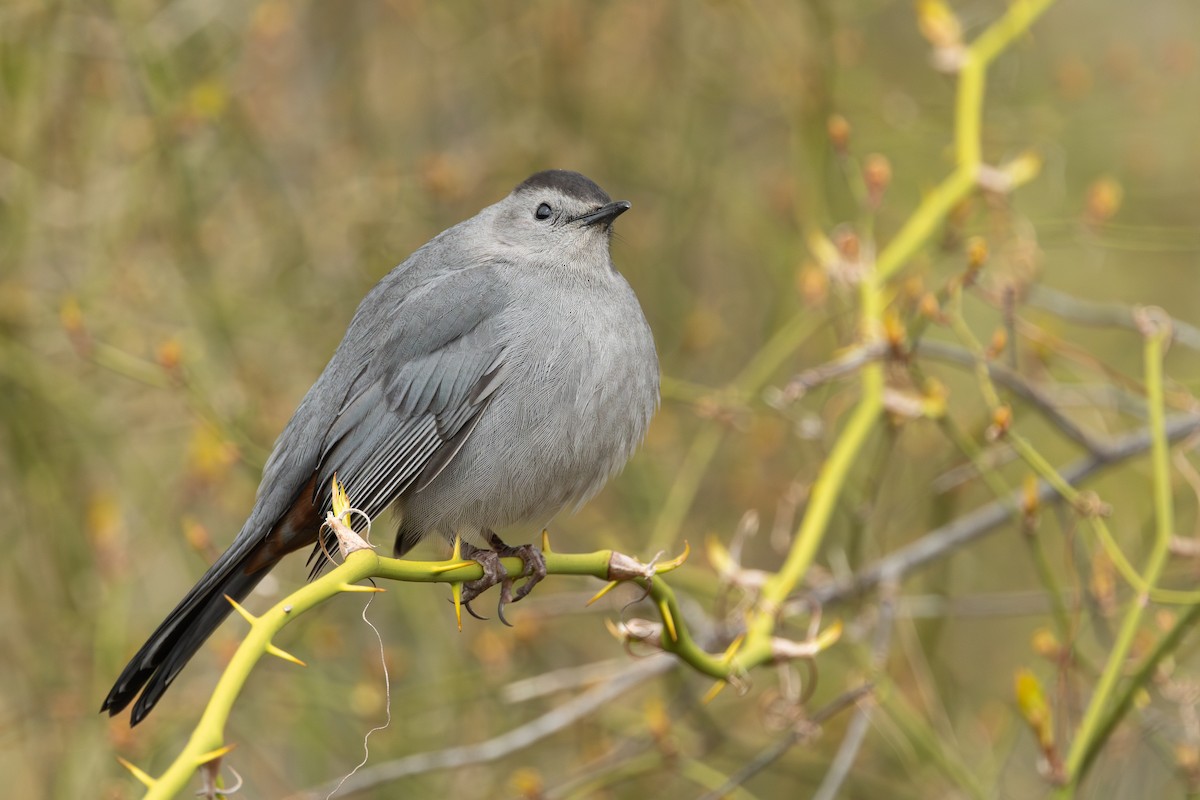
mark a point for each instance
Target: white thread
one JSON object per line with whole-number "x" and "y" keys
{"x": 387, "y": 685}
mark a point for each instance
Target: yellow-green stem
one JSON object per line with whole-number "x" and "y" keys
{"x": 1088, "y": 739}
{"x": 825, "y": 490}
{"x": 968, "y": 121}
{"x": 925, "y": 219}
{"x": 209, "y": 733}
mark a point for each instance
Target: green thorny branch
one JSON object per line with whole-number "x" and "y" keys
{"x": 758, "y": 645}
{"x": 206, "y": 746}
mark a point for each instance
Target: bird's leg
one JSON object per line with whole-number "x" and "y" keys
{"x": 494, "y": 573}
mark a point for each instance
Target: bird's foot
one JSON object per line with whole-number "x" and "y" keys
{"x": 534, "y": 566}
{"x": 494, "y": 573}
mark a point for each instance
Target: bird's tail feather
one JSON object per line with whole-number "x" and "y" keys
{"x": 181, "y": 634}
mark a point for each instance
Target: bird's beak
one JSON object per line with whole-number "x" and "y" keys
{"x": 604, "y": 214}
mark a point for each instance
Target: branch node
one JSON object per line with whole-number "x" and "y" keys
{"x": 1153, "y": 322}
{"x": 624, "y": 568}
{"x": 635, "y": 630}
{"x": 1089, "y": 505}
{"x": 348, "y": 539}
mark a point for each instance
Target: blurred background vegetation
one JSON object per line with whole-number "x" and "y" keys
{"x": 195, "y": 195}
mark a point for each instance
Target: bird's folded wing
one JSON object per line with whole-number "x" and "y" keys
{"x": 419, "y": 392}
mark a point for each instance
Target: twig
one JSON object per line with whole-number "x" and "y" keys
{"x": 561, "y": 680}
{"x": 207, "y": 744}
{"x": 943, "y": 351}
{"x": 848, "y": 362}
{"x": 966, "y": 178}
{"x": 509, "y": 742}
{"x": 1093, "y": 730}
{"x": 795, "y": 736}
{"x": 1018, "y": 385}
{"x": 1087, "y": 312}
{"x": 941, "y": 541}
{"x": 1138, "y": 680}
{"x": 856, "y": 731}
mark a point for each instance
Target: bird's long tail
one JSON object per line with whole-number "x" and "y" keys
{"x": 256, "y": 549}
{"x": 184, "y": 630}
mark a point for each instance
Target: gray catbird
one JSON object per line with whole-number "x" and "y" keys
{"x": 501, "y": 373}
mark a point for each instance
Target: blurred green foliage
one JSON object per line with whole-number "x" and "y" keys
{"x": 194, "y": 196}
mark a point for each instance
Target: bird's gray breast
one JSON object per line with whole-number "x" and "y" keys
{"x": 580, "y": 384}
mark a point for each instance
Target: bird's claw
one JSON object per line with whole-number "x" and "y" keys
{"x": 534, "y": 570}
{"x": 473, "y": 613}
{"x": 493, "y": 573}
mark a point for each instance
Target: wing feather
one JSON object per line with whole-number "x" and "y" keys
{"x": 413, "y": 405}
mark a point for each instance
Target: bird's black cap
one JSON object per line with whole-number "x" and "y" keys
{"x": 569, "y": 183}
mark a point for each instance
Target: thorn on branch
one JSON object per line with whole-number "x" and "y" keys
{"x": 279, "y": 652}
{"x": 246, "y": 615}
{"x": 664, "y": 608}
{"x": 214, "y": 755}
{"x": 142, "y": 776}
{"x": 354, "y": 587}
{"x": 740, "y": 684}
{"x": 608, "y": 587}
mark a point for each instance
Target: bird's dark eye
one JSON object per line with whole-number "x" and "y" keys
{"x": 543, "y": 211}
